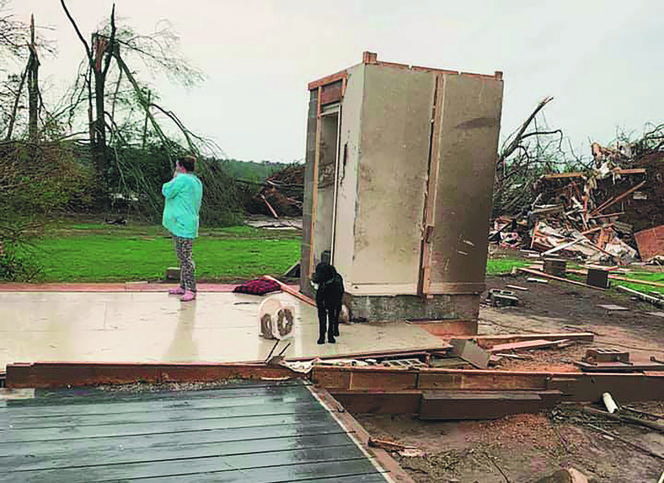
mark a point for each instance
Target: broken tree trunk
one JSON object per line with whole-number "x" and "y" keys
{"x": 33, "y": 85}
{"x": 12, "y": 117}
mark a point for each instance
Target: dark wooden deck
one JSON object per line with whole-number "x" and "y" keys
{"x": 245, "y": 432}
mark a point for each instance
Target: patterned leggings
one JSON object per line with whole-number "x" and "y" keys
{"x": 187, "y": 265}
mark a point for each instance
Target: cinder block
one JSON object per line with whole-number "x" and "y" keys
{"x": 173, "y": 273}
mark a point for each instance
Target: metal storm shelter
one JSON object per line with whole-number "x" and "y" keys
{"x": 398, "y": 186}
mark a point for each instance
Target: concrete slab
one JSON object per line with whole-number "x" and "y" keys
{"x": 155, "y": 327}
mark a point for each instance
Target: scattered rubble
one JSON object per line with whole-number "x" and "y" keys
{"x": 281, "y": 194}
{"x": 610, "y": 213}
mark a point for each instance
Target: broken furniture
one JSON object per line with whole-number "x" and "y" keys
{"x": 398, "y": 185}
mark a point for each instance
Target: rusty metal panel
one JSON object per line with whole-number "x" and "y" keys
{"x": 650, "y": 242}
{"x": 468, "y": 145}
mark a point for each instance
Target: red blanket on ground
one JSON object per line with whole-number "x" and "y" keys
{"x": 258, "y": 287}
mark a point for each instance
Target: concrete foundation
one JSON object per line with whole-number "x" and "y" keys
{"x": 413, "y": 307}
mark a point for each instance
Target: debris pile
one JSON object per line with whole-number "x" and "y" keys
{"x": 281, "y": 194}
{"x": 600, "y": 214}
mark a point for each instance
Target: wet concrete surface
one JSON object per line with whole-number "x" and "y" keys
{"x": 155, "y": 327}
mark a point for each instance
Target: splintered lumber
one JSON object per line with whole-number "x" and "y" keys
{"x": 291, "y": 291}
{"x": 645, "y": 297}
{"x": 488, "y": 341}
{"x": 617, "y": 199}
{"x": 619, "y": 366}
{"x": 525, "y": 345}
{"x": 385, "y": 444}
{"x": 559, "y": 279}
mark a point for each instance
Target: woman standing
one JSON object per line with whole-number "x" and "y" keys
{"x": 183, "y": 202}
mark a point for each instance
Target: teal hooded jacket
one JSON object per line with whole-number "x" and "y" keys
{"x": 183, "y": 202}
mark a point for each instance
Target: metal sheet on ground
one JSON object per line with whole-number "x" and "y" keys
{"x": 274, "y": 432}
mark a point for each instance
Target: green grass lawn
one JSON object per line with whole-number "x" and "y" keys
{"x": 105, "y": 253}
{"x": 93, "y": 252}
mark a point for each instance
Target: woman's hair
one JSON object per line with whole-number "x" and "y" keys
{"x": 188, "y": 163}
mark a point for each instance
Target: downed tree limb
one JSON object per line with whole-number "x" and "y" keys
{"x": 559, "y": 279}
{"x": 626, "y": 441}
{"x": 626, "y": 419}
{"x": 514, "y": 145}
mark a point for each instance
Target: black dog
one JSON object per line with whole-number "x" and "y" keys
{"x": 328, "y": 301}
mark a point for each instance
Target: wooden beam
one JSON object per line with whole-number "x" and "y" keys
{"x": 62, "y": 374}
{"x": 429, "y": 216}
{"x": 559, "y": 279}
{"x": 617, "y": 199}
{"x": 488, "y": 341}
{"x": 361, "y": 437}
{"x": 293, "y": 292}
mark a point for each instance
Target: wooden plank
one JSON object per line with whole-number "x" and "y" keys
{"x": 330, "y": 79}
{"x": 55, "y": 374}
{"x": 448, "y": 328}
{"x": 587, "y": 387}
{"x": 361, "y": 436}
{"x": 606, "y": 367}
{"x": 293, "y": 292}
{"x": 618, "y": 277}
{"x": 559, "y": 279}
{"x": 488, "y": 341}
{"x": 429, "y": 216}
{"x": 458, "y": 379}
{"x": 461, "y": 405}
{"x": 525, "y": 345}
{"x": 389, "y": 402}
{"x": 617, "y": 199}
{"x": 395, "y": 380}
{"x": 314, "y": 183}
{"x": 384, "y": 378}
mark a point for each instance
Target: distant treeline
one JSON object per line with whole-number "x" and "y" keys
{"x": 251, "y": 170}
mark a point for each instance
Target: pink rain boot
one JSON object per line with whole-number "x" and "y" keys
{"x": 176, "y": 291}
{"x": 188, "y": 296}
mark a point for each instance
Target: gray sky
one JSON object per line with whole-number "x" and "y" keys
{"x": 601, "y": 60}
